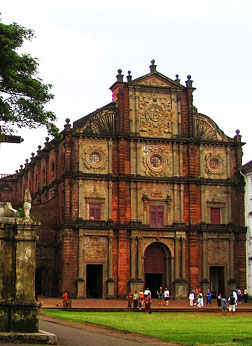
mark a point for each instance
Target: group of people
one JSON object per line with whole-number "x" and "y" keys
{"x": 140, "y": 300}
{"x": 143, "y": 299}
{"x": 196, "y": 298}
{"x": 163, "y": 296}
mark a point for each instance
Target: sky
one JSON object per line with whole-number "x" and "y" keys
{"x": 81, "y": 45}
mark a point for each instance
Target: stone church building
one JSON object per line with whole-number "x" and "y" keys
{"x": 143, "y": 192}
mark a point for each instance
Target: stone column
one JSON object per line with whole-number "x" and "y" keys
{"x": 133, "y": 201}
{"x": 176, "y": 160}
{"x": 137, "y": 112}
{"x": 182, "y": 203}
{"x": 205, "y": 281}
{"x": 133, "y": 257}
{"x": 132, "y": 157}
{"x": 110, "y": 280}
{"x": 110, "y": 149}
{"x": 81, "y": 199}
{"x": 177, "y": 259}
{"x": 231, "y": 257}
{"x": 181, "y": 159}
{"x": 180, "y": 284}
{"x": 175, "y": 203}
{"x": 183, "y": 269}
{"x": 138, "y": 157}
{"x": 81, "y": 284}
{"x": 133, "y": 264}
{"x": 231, "y": 281}
{"x": 109, "y": 200}
{"x": 139, "y": 259}
{"x": 204, "y": 257}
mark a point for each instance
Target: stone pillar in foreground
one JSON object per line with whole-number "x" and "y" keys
{"x": 18, "y": 307}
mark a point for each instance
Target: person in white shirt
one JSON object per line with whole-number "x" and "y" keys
{"x": 236, "y": 297}
{"x": 191, "y": 299}
{"x": 146, "y": 292}
{"x": 166, "y": 296}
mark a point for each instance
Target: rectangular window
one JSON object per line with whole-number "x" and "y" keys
{"x": 94, "y": 211}
{"x": 156, "y": 216}
{"x": 215, "y": 216}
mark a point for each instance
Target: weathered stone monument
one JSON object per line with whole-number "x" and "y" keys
{"x": 18, "y": 307}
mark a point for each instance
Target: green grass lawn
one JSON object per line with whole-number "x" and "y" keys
{"x": 188, "y": 328}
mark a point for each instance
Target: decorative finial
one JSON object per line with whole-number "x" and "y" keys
{"x": 177, "y": 80}
{"x": 119, "y": 76}
{"x": 67, "y": 126}
{"x": 237, "y": 138}
{"x": 129, "y": 77}
{"x": 153, "y": 66}
{"x": 189, "y": 82}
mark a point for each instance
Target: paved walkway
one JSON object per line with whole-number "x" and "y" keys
{"x": 121, "y": 305}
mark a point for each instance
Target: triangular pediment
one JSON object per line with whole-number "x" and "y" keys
{"x": 157, "y": 80}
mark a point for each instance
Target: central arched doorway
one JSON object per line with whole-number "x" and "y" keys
{"x": 157, "y": 267}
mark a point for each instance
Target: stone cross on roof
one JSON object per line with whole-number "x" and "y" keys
{"x": 9, "y": 138}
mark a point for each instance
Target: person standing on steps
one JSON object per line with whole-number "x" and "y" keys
{"x": 65, "y": 299}
{"x": 209, "y": 297}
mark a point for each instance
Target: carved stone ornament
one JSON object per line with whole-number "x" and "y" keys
{"x": 206, "y": 129}
{"x": 155, "y": 161}
{"x": 100, "y": 123}
{"x": 95, "y": 195}
{"x": 156, "y": 195}
{"x": 153, "y": 81}
{"x": 156, "y": 120}
{"x": 214, "y": 164}
{"x": 94, "y": 157}
{"x": 27, "y": 206}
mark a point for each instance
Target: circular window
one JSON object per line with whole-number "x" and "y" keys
{"x": 214, "y": 163}
{"x": 156, "y": 161}
{"x": 95, "y": 158}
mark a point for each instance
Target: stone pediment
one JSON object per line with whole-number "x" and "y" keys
{"x": 206, "y": 129}
{"x": 100, "y": 122}
{"x": 156, "y": 80}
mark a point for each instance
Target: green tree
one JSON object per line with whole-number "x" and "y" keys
{"x": 23, "y": 94}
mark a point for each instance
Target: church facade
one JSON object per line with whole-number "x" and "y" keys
{"x": 143, "y": 192}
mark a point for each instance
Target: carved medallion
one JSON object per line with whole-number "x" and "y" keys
{"x": 155, "y": 120}
{"x": 94, "y": 157}
{"x": 155, "y": 161}
{"x": 214, "y": 164}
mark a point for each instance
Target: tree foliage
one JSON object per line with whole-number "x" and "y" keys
{"x": 23, "y": 95}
